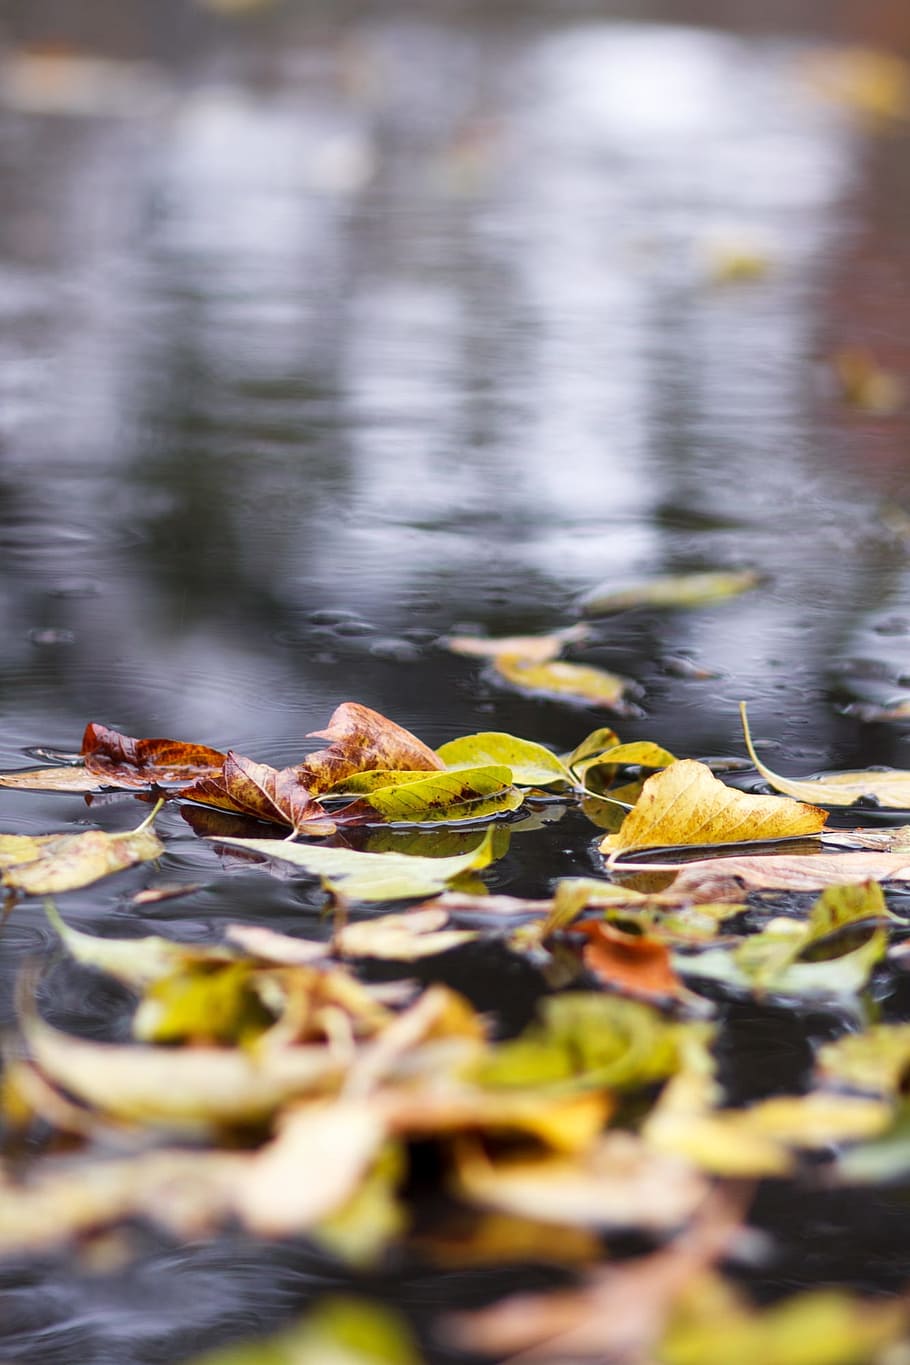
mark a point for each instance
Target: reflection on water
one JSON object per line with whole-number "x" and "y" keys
{"x": 318, "y": 344}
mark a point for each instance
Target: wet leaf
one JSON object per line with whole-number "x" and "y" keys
{"x": 537, "y": 649}
{"x": 875, "y": 1061}
{"x": 135, "y": 961}
{"x": 886, "y": 1157}
{"x": 592, "y": 746}
{"x": 70, "y": 778}
{"x": 617, "y": 1182}
{"x": 634, "y": 963}
{"x": 276, "y": 795}
{"x": 341, "y": 1331}
{"x": 372, "y": 876}
{"x": 444, "y": 1104}
{"x": 686, "y": 804}
{"x": 361, "y": 740}
{"x": 819, "y": 1327}
{"x": 359, "y": 1231}
{"x": 618, "y": 1314}
{"x": 566, "y": 682}
{"x": 467, "y": 794}
{"x": 121, "y": 760}
{"x": 584, "y": 1040}
{"x": 710, "y": 879}
{"x": 203, "y": 1003}
{"x": 887, "y": 788}
{"x": 67, "y": 861}
{"x": 531, "y": 764}
{"x": 402, "y": 938}
{"x": 865, "y": 385}
{"x": 674, "y": 590}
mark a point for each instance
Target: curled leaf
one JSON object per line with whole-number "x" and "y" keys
{"x": 277, "y": 795}
{"x": 362, "y": 739}
{"x": 121, "y": 760}
{"x": 68, "y": 861}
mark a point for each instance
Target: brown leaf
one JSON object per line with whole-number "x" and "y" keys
{"x": 278, "y": 795}
{"x": 633, "y": 963}
{"x": 687, "y": 804}
{"x": 361, "y": 740}
{"x": 709, "y": 879}
{"x": 122, "y": 761}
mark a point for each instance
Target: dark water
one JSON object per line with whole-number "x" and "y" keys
{"x": 322, "y": 335}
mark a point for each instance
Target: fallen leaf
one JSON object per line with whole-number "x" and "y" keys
{"x": 566, "y": 682}
{"x": 620, "y": 1312}
{"x": 875, "y": 1061}
{"x": 277, "y": 795}
{"x": 466, "y": 794}
{"x": 443, "y": 1104}
{"x": 340, "y": 1330}
{"x": 203, "y": 1002}
{"x": 362, "y": 1227}
{"x": 674, "y": 590}
{"x": 868, "y": 82}
{"x": 865, "y": 385}
{"x": 686, "y": 804}
{"x": 372, "y": 876}
{"x": 362, "y": 739}
{"x": 136, "y": 961}
{"x": 67, "y": 861}
{"x": 617, "y": 1182}
{"x": 890, "y": 787}
{"x": 634, "y": 963}
{"x": 402, "y": 938}
{"x": 122, "y": 760}
{"x": 69, "y": 778}
{"x": 531, "y": 764}
{"x": 535, "y": 649}
{"x": 716, "y": 879}
{"x": 886, "y": 1157}
{"x": 592, "y": 746}
{"x": 737, "y": 262}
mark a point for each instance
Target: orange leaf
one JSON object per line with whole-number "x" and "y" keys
{"x": 362, "y": 740}
{"x": 275, "y": 794}
{"x": 121, "y": 760}
{"x": 632, "y": 962}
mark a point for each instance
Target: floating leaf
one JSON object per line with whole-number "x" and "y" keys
{"x": 536, "y": 649}
{"x": 67, "y": 861}
{"x": 277, "y": 795}
{"x": 402, "y": 938}
{"x": 712, "y": 879}
{"x": 886, "y": 1157}
{"x": 617, "y": 1182}
{"x": 122, "y": 760}
{"x": 890, "y": 787}
{"x": 674, "y": 590}
{"x": 361, "y": 740}
{"x": 466, "y": 794}
{"x": 203, "y": 1003}
{"x": 566, "y": 682}
{"x": 597, "y": 773}
{"x": 686, "y": 804}
{"x": 531, "y": 765}
{"x": 592, "y": 746}
{"x": 135, "y": 961}
{"x": 72, "y": 778}
{"x": 340, "y": 1331}
{"x": 876, "y": 1061}
{"x": 634, "y": 963}
{"x": 372, "y": 876}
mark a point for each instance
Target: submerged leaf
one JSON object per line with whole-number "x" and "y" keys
{"x": 531, "y": 764}
{"x": 465, "y": 794}
{"x": 565, "y": 681}
{"x": 686, "y": 804}
{"x": 361, "y": 740}
{"x": 372, "y": 876}
{"x": 887, "y": 788}
{"x": 674, "y": 590}
{"x": 276, "y": 795}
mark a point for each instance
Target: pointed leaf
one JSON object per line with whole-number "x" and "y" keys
{"x": 531, "y": 764}
{"x": 889, "y": 788}
{"x": 372, "y": 876}
{"x": 277, "y": 795}
{"x": 361, "y": 740}
{"x": 121, "y": 760}
{"x": 465, "y": 794}
{"x": 687, "y": 804}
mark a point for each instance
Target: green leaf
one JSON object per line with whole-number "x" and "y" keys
{"x": 372, "y": 876}
{"x": 770, "y": 962}
{"x": 532, "y": 765}
{"x": 341, "y": 1331}
{"x": 466, "y": 794}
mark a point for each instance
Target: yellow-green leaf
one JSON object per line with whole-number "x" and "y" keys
{"x": 466, "y": 794}
{"x": 372, "y": 876}
{"x": 565, "y": 681}
{"x": 531, "y": 764}
{"x": 673, "y": 590}
{"x": 135, "y": 961}
{"x": 686, "y": 804}
{"x": 68, "y": 861}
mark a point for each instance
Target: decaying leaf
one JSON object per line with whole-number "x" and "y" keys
{"x": 362, "y": 739}
{"x": 531, "y": 765}
{"x": 616, "y": 1182}
{"x": 674, "y": 590}
{"x": 566, "y": 682}
{"x": 465, "y": 794}
{"x": 686, "y": 804}
{"x": 276, "y": 795}
{"x": 536, "y": 649}
{"x": 634, "y": 963}
{"x": 890, "y": 787}
{"x": 124, "y": 761}
{"x": 372, "y": 876}
{"x": 65, "y": 862}
{"x": 717, "y": 879}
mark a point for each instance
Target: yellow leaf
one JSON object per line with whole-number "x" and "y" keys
{"x": 889, "y": 788}
{"x": 686, "y": 804}
{"x": 569, "y": 682}
{"x": 68, "y": 861}
{"x": 707, "y": 879}
{"x": 534, "y": 649}
{"x": 673, "y": 590}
